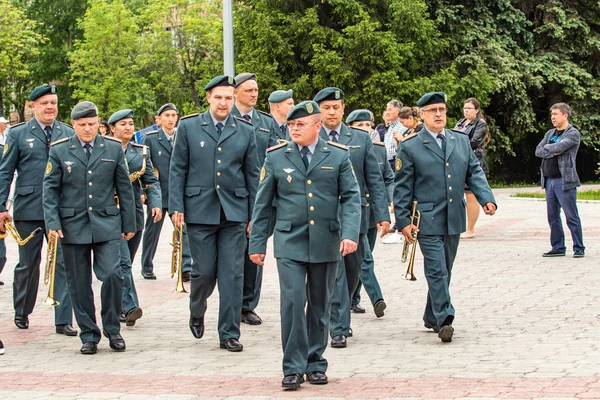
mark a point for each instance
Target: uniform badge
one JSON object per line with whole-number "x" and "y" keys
{"x": 289, "y": 179}
{"x": 53, "y": 89}
{"x": 263, "y": 173}
{"x": 5, "y": 149}
{"x": 309, "y": 108}
{"x": 202, "y": 144}
{"x": 288, "y": 170}
{"x": 230, "y": 80}
{"x": 48, "y": 168}
{"x": 68, "y": 164}
{"x": 30, "y": 141}
{"x": 398, "y": 164}
{"x": 160, "y": 153}
{"x": 337, "y": 95}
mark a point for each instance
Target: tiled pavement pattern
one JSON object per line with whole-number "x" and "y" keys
{"x": 526, "y": 327}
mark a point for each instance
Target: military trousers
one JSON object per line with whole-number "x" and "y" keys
{"x": 128, "y": 250}
{"x": 367, "y": 272}
{"x": 218, "y": 254}
{"x": 27, "y": 276}
{"x": 439, "y": 252}
{"x": 150, "y": 242}
{"x": 304, "y": 331}
{"x": 106, "y": 267}
{"x": 2, "y": 254}
{"x": 346, "y": 282}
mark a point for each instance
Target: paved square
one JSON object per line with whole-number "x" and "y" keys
{"x": 526, "y": 327}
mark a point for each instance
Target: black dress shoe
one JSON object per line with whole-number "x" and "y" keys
{"x": 338, "y": 341}
{"x": 350, "y": 332}
{"x": 89, "y": 348}
{"x": 435, "y": 327}
{"x": 149, "y": 275}
{"x": 446, "y": 333}
{"x": 579, "y": 254}
{"x": 115, "y": 342}
{"x": 197, "y": 327}
{"x": 232, "y": 345}
{"x": 1, "y": 348}
{"x": 317, "y": 378}
{"x": 133, "y": 315}
{"x": 357, "y": 308}
{"x": 122, "y": 317}
{"x": 22, "y": 322}
{"x": 186, "y": 276}
{"x": 251, "y": 318}
{"x": 553, "y": 253}
{"x": 379, "y": 307}
{"x": 66, "y": 329}
{"x": 1, "y": 283}
{"x": 292, "y": 382}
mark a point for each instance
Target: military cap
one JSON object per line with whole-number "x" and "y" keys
{"x": 280, "y": 95}
{"x": 358, "y": 115}
{"x": 42, "y": 91}
{"x": 85, "y": 109}
{"x": 330, "y": 93}
{"x": 119, "y": 115}
{"x": 303, "y": 109}
{"x": 221, "y": 80}
{"x": 166, "y": 107}
{"x": 432, "y": 98}
{"x": 243, "y": 77}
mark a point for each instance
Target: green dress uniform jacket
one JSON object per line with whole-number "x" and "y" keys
{"x": 134, "y": 154}
{"x": 265, "y": 131}
{"x": 159, "y": 152}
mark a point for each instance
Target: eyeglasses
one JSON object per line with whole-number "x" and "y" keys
{"x": 441, "y": 110}
{"x": 299, "y": 125}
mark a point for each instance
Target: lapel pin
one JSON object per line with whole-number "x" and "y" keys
{"x": 289, "y": 179}
{"x": 159, "y": 153}
{"x": 202, "y": 144}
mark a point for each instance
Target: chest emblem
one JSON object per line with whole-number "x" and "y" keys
{"x": 288, "y": 170}
{"x": 68, "y": 164}
{"x": 30, "y": 141}
{"x": 289, "y": 179}
{"x": 160, "y": 153}
{"x": 202, "y": 144}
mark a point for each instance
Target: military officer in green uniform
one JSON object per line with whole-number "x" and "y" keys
{"x": 372, "y": 188}
{"x": 212, "y": 187}
{"x": 361, "y": 119}
{"x": 160, "y": 146}
{"x": 265, "y": 135}
{"x": 26, "y": 153}
{"x": 432, "y": 167}
{"x": 141, "y": 175}
{"x": 280, "y": 104}
{"x": 82, "y": 176}
{"x": 318, "y": 221}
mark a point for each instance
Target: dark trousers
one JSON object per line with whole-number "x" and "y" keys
{"x": 2, "y": 254}
{"x": 128, "y": 250}
{"x": 304, "y": 332}
{"x": 439, "y": 252}
{"x": 557, "y": 198}
{"x": 150, "y": 243}
{"x": 218, "y": 254}
{"x": 346, "y": 282}
{"x": 106, "y": 266}
{"x": 367, "y": 272}
{"x": 27, "y": 276}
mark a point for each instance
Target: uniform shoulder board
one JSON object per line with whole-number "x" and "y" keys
{"x": 19, "y": 124}
{"x": 59, "y": 141}
{"x": 138, "y": 145}
{"x": 379, "y": 144}
{"x": 341, "y": 146}
{"x": 412, "y": 135}
{"x": 152, "y": 132}
{"x": 264, "y": 113}
{"x": 243, "y": 120}
{"x": 112, "y": 138}
{"x": 278, "y": 146}
{"x": 189, "y": 116}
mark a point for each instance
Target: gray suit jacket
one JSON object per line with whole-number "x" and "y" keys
{"x": 566, "y": 148}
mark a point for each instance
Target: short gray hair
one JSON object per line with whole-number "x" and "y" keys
{"x": 395, "y": 103}
{"x": 563, "y": 108}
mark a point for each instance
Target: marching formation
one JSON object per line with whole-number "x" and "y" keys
{"x": 230, "y": 178}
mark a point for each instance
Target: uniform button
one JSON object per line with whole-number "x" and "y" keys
{"x": 90, "y": 208}
{"x": 310, "y": 195}
{"x": 367, "y": 205}
{"x": 367, "y": 195}
{"x": 449, "y": 176}
{"x": 312, "y": 208}
{"x": 309, "y": 182}
{"x": 447, "y": 164}
{"x": 218, "y": 174}
{"x": 90, "y": 196}
{"x": 220, "y": 149}
{"x": 218, "y": 161}
{"x": 312, "y": 222}
{"x": 90, "y": 172}
{"x": 218, "y": 187}
{"x": 90, "y": 184}
{"x": 450, "y": 200}
{"x": 449, "y": 187}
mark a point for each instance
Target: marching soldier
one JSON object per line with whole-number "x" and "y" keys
{"x": 160, "y": 145}
{"x": 370, "y": 183}
{"x": 82, "y": 176}
{"x": 280, "y": 104}
{"x": 140, "y": 168}
{"x": 213, "y": 183}
{"x": 26, "y": 152}
{"x": 432, "y": 167}
{"x": 265, "y": 135}
{"x": 314, "y": 183}
{"x": 361, "y": 119}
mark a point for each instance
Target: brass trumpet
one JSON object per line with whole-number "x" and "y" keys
{"x": 50, "y": 271}
{"x": 411, "y": 248}
{"x": 177, "y": 259}
{"x": 9, "y": 227}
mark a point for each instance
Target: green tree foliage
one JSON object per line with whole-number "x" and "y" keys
{"x": 17, "y": 53}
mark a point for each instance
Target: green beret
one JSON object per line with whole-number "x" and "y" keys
{"x": 330, "y": 93}
{"x": 303, "y": 109}
{"x": 221, "y": 80}
{"x": 166, "y": 107}
{"x": 42, "y": 91}
{"x": 358, "y": 115}
{"x": 119, "y": 115}
{"x": 280, "y": 95}
{"x": 432, "y": 98}
{"x": 243, "y": 77}
{"x": 85, "y": 109}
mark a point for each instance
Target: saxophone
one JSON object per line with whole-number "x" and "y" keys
{"x": 138, "y": 174}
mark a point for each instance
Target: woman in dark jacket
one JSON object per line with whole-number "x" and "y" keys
{"x": 474, "y": 125}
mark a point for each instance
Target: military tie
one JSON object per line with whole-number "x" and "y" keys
{"x": 88, "y": 150}
{"x": 333, "y": 136}
{"x": 442, "y": 137}
{"x": 304, "y": 152}
{"x": 282, "y": 127}
{"x": 48, "y": 131}
{"x": 171, "y": 140}
{"x": 219, "y": 128}
{"x": 246, "y": 117}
